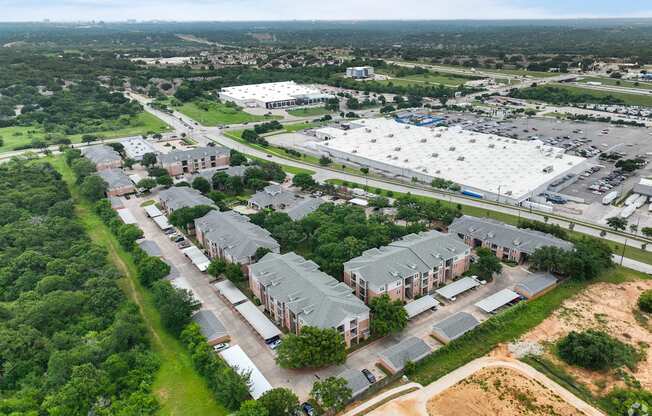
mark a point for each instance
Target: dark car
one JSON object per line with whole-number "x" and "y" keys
{"x": 179, "y": 239}
{"x": 307, "y": 408}
{"x": 370, "y": 376}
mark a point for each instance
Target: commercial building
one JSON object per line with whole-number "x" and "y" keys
{"x": 274, "y": 95}
{"x": 137, "y": 147}
{"x": 410, "y": 349}
{"x": 103, "y": 157}
{"x": 360, "y": 72}
{"x": 279, "y": 199}
{"x": 408, "y": 268}
{"x": 506, "y": 241}
{"x": 232, "y": 237}
{"x": 454, "y": 327}
{"x": 117, "y": 182}
{"x": 178, "y": 162}
{"x": 297, "y": 294}
{"x": 181, "y": 197}
{"x": 484, "y": 165}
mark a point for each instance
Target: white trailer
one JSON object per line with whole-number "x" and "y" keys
{"x": 640, "y": 201}
{"x": 610, "y": 197}
{"x": 627, "y": 211}
{"x": 630, "y": 199}
{"x": 537, "y": 206}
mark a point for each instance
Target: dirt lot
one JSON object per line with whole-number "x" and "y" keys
{"x": 498, "y": 391}
{"x": 609, "y": 308}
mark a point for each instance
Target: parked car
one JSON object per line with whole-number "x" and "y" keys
{"x": 221, "y": 346}
{"x": 183, "y": 244}
{"x": 170, "y": 231}
{"x": 308, "y": 409}
{"x": 178, "y": 239}
{"x": 274, "y": 344}
{"x": 369, "y": 375}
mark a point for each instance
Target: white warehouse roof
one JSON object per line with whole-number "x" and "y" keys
{"x": 237, "y": 359}
{"x": 482, "y": 162}
{"x": 269, "y": 92}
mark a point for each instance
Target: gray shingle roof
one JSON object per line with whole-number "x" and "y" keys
{"x": 409, "y": 349}
{"x": 355, "y": 380}
{"x": 536, "y": 283}
{"x": 505, "y": 235}
{"x": 413, "y": 253}
{"x": 303, "y": 207}
{"x": 115, "y": 178}
{"x": 210, "y": 325}
{"x": 192, "y": 154}
{"x": 101, "y": 154}
{"x": 455, "y": 326}
{"x": 230, "y": 171}
{"x": 316, "y": 298}
{"x": 235, "y": 234}
{"x": 274, "y": 196}
{"x": 150, "y": 247}
{"x": 183, "y": 196}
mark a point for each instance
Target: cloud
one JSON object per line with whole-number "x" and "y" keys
{"x": 70, "y": 10}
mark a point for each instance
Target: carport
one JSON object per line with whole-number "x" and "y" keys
{"x": 259, "y": 322}
{"x": 460, "y": 286}
{"x": 417, "y": 307}
{"x": 227, "y": 289}
{"x": 497, "y": 300}
{"x": 197, "y": 258}
{"x": 152, "y": 211}
{"x": 162, "y": 222}
{"x": 239, "y": 361}
{"x": 126, "y": 216}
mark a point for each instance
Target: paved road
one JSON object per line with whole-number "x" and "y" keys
{"x": 418, "y": 400}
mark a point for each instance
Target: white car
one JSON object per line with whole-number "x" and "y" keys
{"x": 274, "y": 344}
{"x": 221, "y": 346}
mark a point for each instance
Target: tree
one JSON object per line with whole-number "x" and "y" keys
{"x": 280, "y": 402}
{"x": 152, "y": 269}
{"x": 201, "y": 184}
{"x": 149, "y": 159}
{"x": 388, "y": 316}
{"x": 261, "y": 252}
{"x": 93, "y": 188}
{"x": 252, "y": 408}
{"x": 165, "y": 180}
{"x": 237, "y": 158}
{"x": 82, "y": 168}
{"x": 234, "y": 273}
{"x": 147, "y": 184}
{"x": 182, "y": 217}
{"x": 487, "y": 264}
{"x": 127, "y": 235}
{"x": 217, "y": 267}
{"x": 617, "y": 223}
{"x": 332, "y": 394}
{"x": 303, "y": 181}
{"x": 379, "y": 202}
{"x": 647, "y": 231}
{"x": 234, "y": 185}
{"x": 176, "y": 306}
{"x": 596, "y": 350}
{"x": 314, "y": 348}
{"x": 645, "y": 301}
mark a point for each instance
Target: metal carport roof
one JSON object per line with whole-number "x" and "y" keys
{"x": 420, "y": 305}
{"x": 197, "y": 257}
{"x": 236, "y": 358}
{"x": 227, "y": 289}
{"x": 258, "y": 320}
{"x": 497, "y": 300}
{"x": 459, "y": 286}
{"x": 152, "y": 211}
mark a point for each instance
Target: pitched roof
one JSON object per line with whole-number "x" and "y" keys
{"x": 183, "y": 197}
{"x": 355, "y": 380}
{"x": 536, "y": 283}
{"x": 316, "y": 298}
{"x": 191, "y": 154}
{"x": 303, "y": 207}
{"x": 235, "y": 234}
{"x": 505, "y": 235}
{"x": 151, "y": 248}
{"x": 275, "y": 196}
{"x": 455, "y": 326}
{"x": 115, "y": 178}
{"x": 409, "y": 349}
{"x": 101, "y": 154}
{"x": 413, "y": 253}
{"x": 230, "y": 171}
{"x": 209, "y": 324}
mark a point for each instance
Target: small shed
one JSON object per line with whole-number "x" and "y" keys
{"x": 454, "y": 327}
{"x": 211, "y": 327}
{"x": 409, "y": 349}
{"x": 536, "y": 285}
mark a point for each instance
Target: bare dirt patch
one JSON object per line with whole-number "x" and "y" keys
{"x": 499, "y": 391}
{"x": 609, "y": 308}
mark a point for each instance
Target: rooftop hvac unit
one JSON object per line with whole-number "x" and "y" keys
{"x": 460, "y": 158}
{"x": 435, "y": 155}
{"x": 390, "y": 135}
{"x": 472, "y": 141}
{"x": 354, "y": 151}
{"x": 395, "y": 158}
{"x": 548, "y": 169}
{"x": 407, "y": 127}
{"x": 424, "y": 170}
{"x": 405, "y": 160}
{"x": 491, "y": 145}
{"x": 559, "y": 156}
{"x": 423, "y": 140}
{"x": 368, "y": 130}
{"x": 389, "y": 156}
{"x": 452, "y": 148}
{"x": 397, "y": 148}
{"x": 373, "y": 140}
{"x": 438, "y": 172}
{"x": 438, "y": 135}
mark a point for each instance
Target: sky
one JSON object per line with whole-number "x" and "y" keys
{"x": 221, "y": 10}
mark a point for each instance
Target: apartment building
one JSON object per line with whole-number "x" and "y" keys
{"x": 177, "y": 197}
{"x": 408, "y": 268}
{"x": 232, "y": 237}
{"x": 507, "y": 242}
{"x": 103, "y": 157}
{"x": 117, "y": 182}
{"x": 297, "y": 294}
{"x": 179, "y": 162}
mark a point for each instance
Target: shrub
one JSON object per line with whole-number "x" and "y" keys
{"x": 645, "y": 301}
{"x": 596, "y": 350}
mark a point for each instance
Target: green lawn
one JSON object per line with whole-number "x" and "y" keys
{"x": 618, "y": 82}
{"x": 179, "y": 389}
{"x": 629, "y": 99}
{"x": 294, "y": 127}
{"x": 507, "y": 326}
{"x": 520, "y": 72}
{"x": 217, "y": 114}
{"x": 140, "y": 124}
{"x": 450, "y": 80}
{"x": 309, "y": 112}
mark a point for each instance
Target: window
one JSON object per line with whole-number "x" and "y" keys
{"x": 340, "y": 328}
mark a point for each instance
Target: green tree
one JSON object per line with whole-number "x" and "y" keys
{"x": 152, "y": 269}
{"x": 617, "y": 223}
{"x": 234, "y": 273}
{"x": 332, "y": 394}
{"x": 147, "y": 184}
{"x": 79, "y": 394}
{"x": 314, "y": 348}
{"x": 127, "y": 235}
{"x": 487, "y": 264}
{"x": 645, "y": 301}
{"x": 303, "y": 181}
{"x": 261, "y": 252}
{"x": 201, "y": 184}
{"x": 647, "y": 231}
{"x": 82, "y": 168}
{"x": 596, "y": 350}
{"x": 252, "y": 408}
{"x": 165, "y": 180}
{"x": 93, "y": 188}
{"x": 217, "y": 267}
{"x": 182, "y": 217}
{"x": 280, "y": 402}
{"x": 237, "y": 158}
{"x": 149, "y": 159}
{"x": 325, "y": 161}
{"x": 387, "y": 316}
{"x": 176, "y": 306}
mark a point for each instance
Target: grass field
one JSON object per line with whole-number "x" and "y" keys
{"x": 507, "y": 326}
{"x": 628, "y": 99}
{"x": 309, "y": 112}
{"x": 219, "y": 114}
{"x": 140, "y": 124}
{"x": 450, "y": 80}
{"x": 615, "y": 82}
{"x": 631, "y": 252}
{"x": 519, "y": 72}
{"x": 179, "y": 389}
{"x": 294, "y": 127}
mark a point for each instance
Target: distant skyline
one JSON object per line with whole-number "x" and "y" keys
{"x": 223, "y": 10}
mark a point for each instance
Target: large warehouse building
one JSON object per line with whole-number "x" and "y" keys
{"x": 274, "y": 95}
{"x": 484, "y": 165}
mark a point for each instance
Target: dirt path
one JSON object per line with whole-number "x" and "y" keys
{"x": 415, "y": 404}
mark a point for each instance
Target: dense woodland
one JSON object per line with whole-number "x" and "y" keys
{"x": 70, "y": 343}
